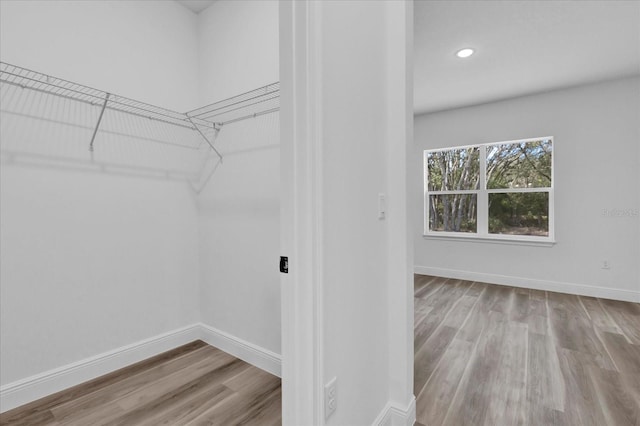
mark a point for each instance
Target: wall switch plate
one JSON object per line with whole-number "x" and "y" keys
{"x": 382, "y": 206}
{"x": 330, "y": 397}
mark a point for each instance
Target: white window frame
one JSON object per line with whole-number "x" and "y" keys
{"x": 482, "y": 208}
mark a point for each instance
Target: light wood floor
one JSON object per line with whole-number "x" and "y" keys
{"x": 496, "y": 355}
{"x": 195, "y": 384}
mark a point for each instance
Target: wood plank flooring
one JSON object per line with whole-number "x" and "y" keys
{"x": 496, "y": 355}
{"x": 194, "y": 384}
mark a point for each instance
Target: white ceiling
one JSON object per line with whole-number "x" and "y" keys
{"x": 522, "y": 47}
{"x": 196, "y": 6}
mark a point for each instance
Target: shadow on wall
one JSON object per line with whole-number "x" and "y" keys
{"x": 48, "y": 131}
{"x": 53, "y": 123}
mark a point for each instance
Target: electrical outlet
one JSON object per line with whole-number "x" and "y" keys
{"x": 606, "y": 264}
{"x": 330, "y": 397}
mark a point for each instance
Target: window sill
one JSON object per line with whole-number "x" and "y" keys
{"x": 492, "y": 240}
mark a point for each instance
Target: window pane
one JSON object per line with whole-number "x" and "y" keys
{"x": 453, "y": 213}
{"x": 453, "y": 170}
{"x": 519, "y": 213}
{"x": 519, "y": 165}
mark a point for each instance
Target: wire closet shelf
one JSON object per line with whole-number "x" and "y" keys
{"x": 203, "y": 120}
{"x": 254, "y": 103}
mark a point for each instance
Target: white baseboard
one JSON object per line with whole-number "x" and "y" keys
{"x": 246, "y": 351}
{"x": 560, "y": 287}
{"x": 23, "y": 391}
{"x": 394, "y": 414}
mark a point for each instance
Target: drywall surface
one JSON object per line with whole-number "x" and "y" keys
{"x": 239, "y": 235}
{"x": 239, "y": 207}
{"x": 354, "y": 241}
{"x": 145, "y": 50}
{"x": 346, "y": 126}
{"x": 597, "y": 189}
{"x": 90, "y": 263}
{"x": 93, "y": 260}
{"x": 238, "y": 47}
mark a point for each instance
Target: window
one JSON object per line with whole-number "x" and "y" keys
{"x": 500, "y": 190}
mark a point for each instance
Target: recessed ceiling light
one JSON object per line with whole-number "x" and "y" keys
{"x": 464, "y": 53}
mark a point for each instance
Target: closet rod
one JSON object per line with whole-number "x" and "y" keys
{"x": 216, "y": 108}
{"x": 257, "y": 114}
{"x": 93, "y": 103}
{"x": 250, "y": 104}
{"x": 211, "y": 117}
{"x": 43, "y": 83}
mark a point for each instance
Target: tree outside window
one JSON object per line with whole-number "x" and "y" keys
{"x": 497, "y": 190}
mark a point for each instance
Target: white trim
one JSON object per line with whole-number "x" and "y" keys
{"x": 491, "y": 238}
{"x": 518, "y": 190}
{"x": 26, "y": 390}
{"x": 301, "y": 167}
{"x": 482, "y": 200}
{"x": 486, "y": 143}
{"x": 560, "y": 287}
{"x": 246, "y": 351}
{"x": 22, "y": 391}
{"x": 316, "y": 126}
{"x": 489, "y": 191}
{"x": 482, "y": 193}
{"x": 395, "y": 415}
{"x": 454, "y": 192}
{"x": 399, "y": 18}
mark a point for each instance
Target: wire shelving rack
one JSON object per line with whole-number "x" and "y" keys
{"x": 203, "y": 121}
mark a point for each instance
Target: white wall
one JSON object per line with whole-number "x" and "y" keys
{"x": 95, "y": 261}
{"x": 239, "y": 235}
{"x": 239, "y": 208}
{"x": 345, "y": 129}
{"x": 238, "y": 47}
{"x": 355, "y": 240}
{"x": 141, "y": 49}
{"x": 90, "y": 263}
{"x": 596, "y": 168}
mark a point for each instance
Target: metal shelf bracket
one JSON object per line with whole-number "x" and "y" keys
{"x": 216, "y": 129}
{"x": 95, "y": 131}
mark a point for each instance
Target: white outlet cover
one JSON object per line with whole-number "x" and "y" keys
{"x": 330, "y": 397}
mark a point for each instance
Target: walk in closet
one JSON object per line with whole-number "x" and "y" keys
{"x": 159, "y": 163}
{"x": 140, "y": 187}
